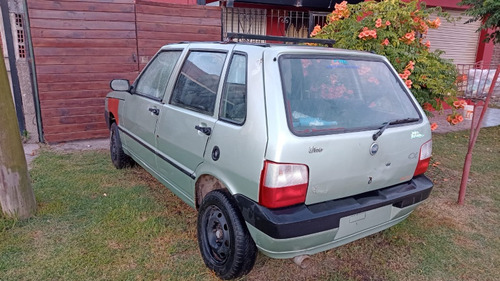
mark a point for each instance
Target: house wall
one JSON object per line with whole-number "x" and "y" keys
{"x": 80, "y": 46}
{"x": 496, "y": 55}
{"x": 5, "y": 57}
{"x": 20, "y": 72}
{"x": 163, "y": 23}
{"x": 484, "y": 51}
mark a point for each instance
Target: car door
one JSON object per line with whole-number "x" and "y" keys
{"x": 142, "y": 108}
{"x": 187, "y": 121}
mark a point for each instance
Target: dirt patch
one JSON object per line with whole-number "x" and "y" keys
{"x": 449, "y": 214}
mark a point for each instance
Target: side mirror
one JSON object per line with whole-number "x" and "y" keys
{"x": 120, "y": 85}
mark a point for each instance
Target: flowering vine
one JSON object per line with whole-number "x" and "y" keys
{"x": 397, "y": 29}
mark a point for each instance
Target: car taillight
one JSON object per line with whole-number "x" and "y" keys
{"x": 283, "y": 185}
{"x": 424, "y": 158}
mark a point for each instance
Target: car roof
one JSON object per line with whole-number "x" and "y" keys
{"x": 277, "y": 48}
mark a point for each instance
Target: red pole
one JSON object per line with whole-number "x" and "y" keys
{"x": 472, "y": 141}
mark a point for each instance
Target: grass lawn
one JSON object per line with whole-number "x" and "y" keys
{"x": 98, "y": 223}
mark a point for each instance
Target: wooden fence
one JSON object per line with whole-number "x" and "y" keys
{"x": 80, "y": 45}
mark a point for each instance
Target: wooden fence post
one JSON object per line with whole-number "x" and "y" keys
{"x": 16, "y": 194}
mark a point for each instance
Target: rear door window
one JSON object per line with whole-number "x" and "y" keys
{"x": 326, "y": 95}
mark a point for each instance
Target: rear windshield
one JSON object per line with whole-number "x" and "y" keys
{"x": 326, "y": 95}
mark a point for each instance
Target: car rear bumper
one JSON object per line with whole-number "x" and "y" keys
{"x": 301, "y": 220}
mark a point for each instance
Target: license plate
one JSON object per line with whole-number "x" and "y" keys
{"x": 361, "y": 221}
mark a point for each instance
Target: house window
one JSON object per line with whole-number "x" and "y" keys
{"x": 19, "y": 31}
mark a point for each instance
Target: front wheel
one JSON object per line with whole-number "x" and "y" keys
{"x": 225, "y": 243}
{"x": 118, "y": 156}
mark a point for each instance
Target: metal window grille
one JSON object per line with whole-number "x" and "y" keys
{"x": 270, "y": 22}
{"x": 244, "y": 20}
{"x": 474, "y": 81}
{"x": 316, "y": 18}
{"x": 293, "y": 24}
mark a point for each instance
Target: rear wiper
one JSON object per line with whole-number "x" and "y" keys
{"x": 402, "y": 121}
{"x": 393, "y": 122}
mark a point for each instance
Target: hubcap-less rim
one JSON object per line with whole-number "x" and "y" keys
{"x": 218, "y": 234}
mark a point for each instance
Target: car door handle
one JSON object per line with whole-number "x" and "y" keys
{"x": 206, "y": 130}
{"x": 155, "y": 111}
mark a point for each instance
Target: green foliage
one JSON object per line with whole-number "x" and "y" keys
{"x": 488, "y": 12}
{"x": 392, "y": 28}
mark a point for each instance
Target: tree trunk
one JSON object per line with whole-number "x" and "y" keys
{"x": 16, "y": 194}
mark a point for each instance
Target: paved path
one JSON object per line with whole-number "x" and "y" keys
{"x": 492, "y": 118}
{"x": 31, "y": 149}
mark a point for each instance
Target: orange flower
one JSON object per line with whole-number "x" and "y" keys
{"x": 387, "y": 23}
{"x": 315, "y": 31}
{"x": 367, "y": 34}
{"x": 405, "y": 74}
{"x": 341, "y": 11}
{"x": 459, "y": 104}
{"x": 409, "y": 37}
{"x": 385, "y": 42}
{"x": 378, "y": 23}
{"x": 435, "y": 23}
{"x": 410, "y": 65}
{"x": 428, "y": 44}
{"x": 461, "y": 78}
{"x": 428, "y": 106}
{"x": 454, "y": 118}
{"x": 342, "y": 6}
{"x": 423, "y": 27}
{"x": 408, "y": 83}
{"x": 434, "y": 126}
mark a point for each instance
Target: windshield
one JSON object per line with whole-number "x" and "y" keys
{"x": 325, "y": 95}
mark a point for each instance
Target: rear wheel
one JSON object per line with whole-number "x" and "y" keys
{"x": 225, "y": 243}
{"x": 118, "y": 156}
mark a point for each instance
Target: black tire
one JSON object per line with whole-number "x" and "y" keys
{"x": 118, "y": 156}
{"x": 225, "y": 243}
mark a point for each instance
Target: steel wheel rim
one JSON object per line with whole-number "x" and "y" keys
{"x": 217, "y": 234}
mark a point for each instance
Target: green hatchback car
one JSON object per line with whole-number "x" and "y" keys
{"x": 290, "y": 150}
